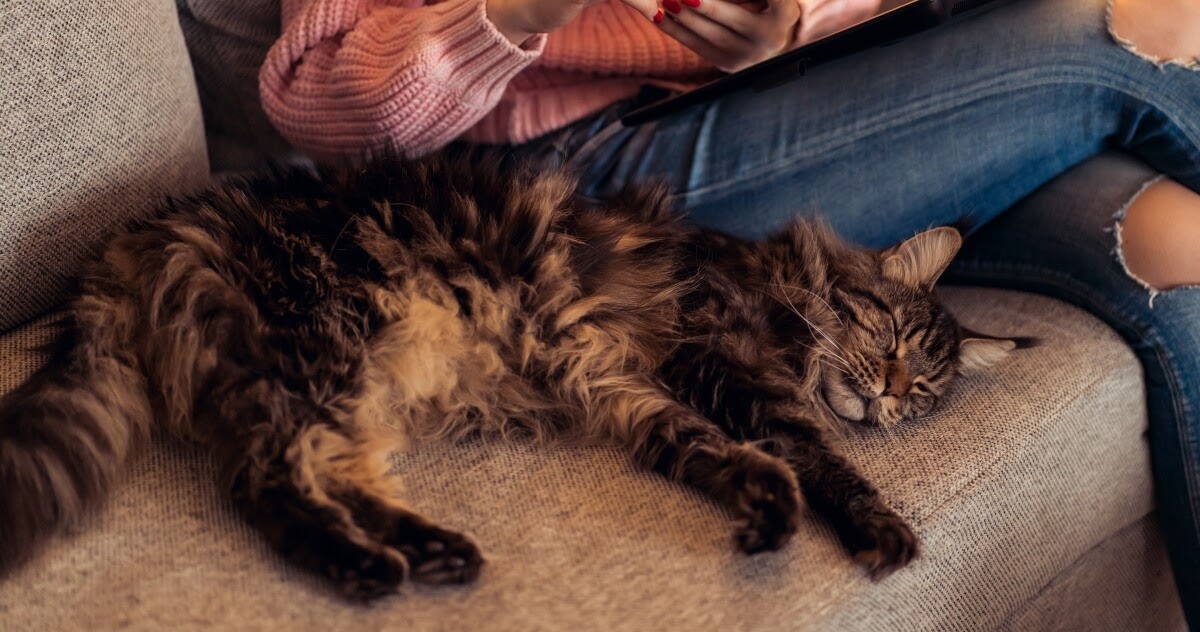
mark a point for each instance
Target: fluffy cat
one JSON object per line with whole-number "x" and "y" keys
{"x": 305, "y": 327}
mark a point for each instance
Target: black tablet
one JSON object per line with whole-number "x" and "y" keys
{"x": 896, "y": 20}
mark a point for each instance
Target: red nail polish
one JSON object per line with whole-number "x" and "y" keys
{"x": 658, "y": 16}
{"x": 692, "y": 3}
{"x": 672, "y": 6}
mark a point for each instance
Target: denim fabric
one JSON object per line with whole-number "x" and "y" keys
{"x": 957, "y": 126}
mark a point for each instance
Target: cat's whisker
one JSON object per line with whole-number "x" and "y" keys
{"x": 889, "y": 431}
{"x": 828, "y": 353}
{"x": 350, "y": 221}
{"x": 832, "y": 311}
{"x": 824, "y": 350}
{"x": 813, "y": 326}
{"x": 832, "y": 341}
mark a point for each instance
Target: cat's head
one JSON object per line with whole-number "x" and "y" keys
{"x": 897, "y": 350}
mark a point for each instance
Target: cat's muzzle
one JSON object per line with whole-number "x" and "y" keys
{"x": 882, "y": 409}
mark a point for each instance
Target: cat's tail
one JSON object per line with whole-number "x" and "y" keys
{"x": 66, "y": 433}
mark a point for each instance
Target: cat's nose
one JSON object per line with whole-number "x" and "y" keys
{"x": 897, "y": 383}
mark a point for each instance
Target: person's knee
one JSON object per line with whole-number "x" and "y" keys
{"x": 1162, "y": 31}
{"x": 1159, "y": 236}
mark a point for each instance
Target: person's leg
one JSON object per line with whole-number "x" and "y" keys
{"x": 1160, "y": 236}
{"x": 1063, "y": 241}
{"x": 1162, "y": 31}
{"x": 956, "y": 123}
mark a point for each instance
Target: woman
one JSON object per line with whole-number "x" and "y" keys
{"x": 953, "y": 126}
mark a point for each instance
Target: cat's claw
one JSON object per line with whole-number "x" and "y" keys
{"x": 884, "y": 544}
{"x": 766, "y": 507}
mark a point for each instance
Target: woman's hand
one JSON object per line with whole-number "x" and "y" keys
{"x": 819, "y": 18}
{"x": 519, "y": 20}
{"x": 733, "y": 35}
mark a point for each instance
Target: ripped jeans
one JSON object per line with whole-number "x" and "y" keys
{"x": 956, "y": 125}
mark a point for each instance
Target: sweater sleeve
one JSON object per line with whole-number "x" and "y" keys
{"x": 349, "y": 76}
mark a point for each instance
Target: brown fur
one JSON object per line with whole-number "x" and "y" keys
{"x": 306, "y": 327}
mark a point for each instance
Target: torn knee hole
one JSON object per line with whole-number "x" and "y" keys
{"x": 1156, "y": 233}
{"x": 1160, "y": 31}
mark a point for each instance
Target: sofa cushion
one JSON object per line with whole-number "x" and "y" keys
{"x": 1027, "y": 470}
{"x": 1123, "y": 583}
{"x": 98, "y": 121}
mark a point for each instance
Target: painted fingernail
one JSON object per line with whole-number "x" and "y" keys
{"x": 692, "y": 3}
{"x": 659, "y": 15}
{"x": 672, "y": 5}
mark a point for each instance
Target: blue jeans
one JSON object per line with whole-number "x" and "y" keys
{"x": 956, "y": 125}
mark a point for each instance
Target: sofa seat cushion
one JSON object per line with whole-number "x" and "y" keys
{"x": 1123, "y": 583}
{"x": 1026, "y": 470}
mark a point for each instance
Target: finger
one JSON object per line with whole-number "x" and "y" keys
{"x": 648, "y": 8}
{"x": 717, "y": 56}
{"x": 723, "y": 13}
{"x": 822, "y": 17}
{"x": 786, "y": 12}
{"x": 750, "y": 20}
{"x": 790, "y": 8}
{"x": 714, "y": 33}
{"x": 754, "y": 36}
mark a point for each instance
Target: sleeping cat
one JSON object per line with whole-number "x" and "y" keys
{"x": 305, "y": 327}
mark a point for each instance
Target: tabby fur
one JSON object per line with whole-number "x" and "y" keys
{"x": 305, "y": 326}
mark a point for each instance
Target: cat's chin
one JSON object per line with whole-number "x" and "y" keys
{"x": 842, "y": 399}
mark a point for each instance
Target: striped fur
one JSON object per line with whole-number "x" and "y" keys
{"x": 307, "y": 326}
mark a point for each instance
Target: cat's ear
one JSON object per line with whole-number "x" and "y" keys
{"x": 977, "y": 351}
{"x": 919, "y": 261}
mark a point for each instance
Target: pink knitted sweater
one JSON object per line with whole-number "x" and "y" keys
{"x": 347, "y": 75}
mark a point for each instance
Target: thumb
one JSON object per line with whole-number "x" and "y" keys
{"x": 648, "y": 8}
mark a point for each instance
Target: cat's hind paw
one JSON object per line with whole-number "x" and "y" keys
{"x": 440, "y": 556}
{"x": 884, "y": 544}
{"x": 433, "y": 555}
{"x": 362, "y": 573}
{"x": 765, "y": 504}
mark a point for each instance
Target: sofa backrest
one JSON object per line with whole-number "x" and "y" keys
{"x": 99, "y": 120}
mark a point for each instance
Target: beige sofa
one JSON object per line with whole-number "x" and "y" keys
{"x": 1031, "y": 491}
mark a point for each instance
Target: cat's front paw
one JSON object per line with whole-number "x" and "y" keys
{"x": 765, "y": 503}
{"x": 882, "y": 544}
{"x": 440, "y": 556}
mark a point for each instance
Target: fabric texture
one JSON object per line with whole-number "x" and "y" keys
{"x": 353, "y": 74}
{"x": 1138, "y": 595}
{"x": 99, "y": 120}
{"x": 1029, "y": 501}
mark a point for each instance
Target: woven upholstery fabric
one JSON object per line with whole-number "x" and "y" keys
{"x": 1031, "y": 492}
{"x": 99, "y": 119}
{"x": 1137, "y": 592}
